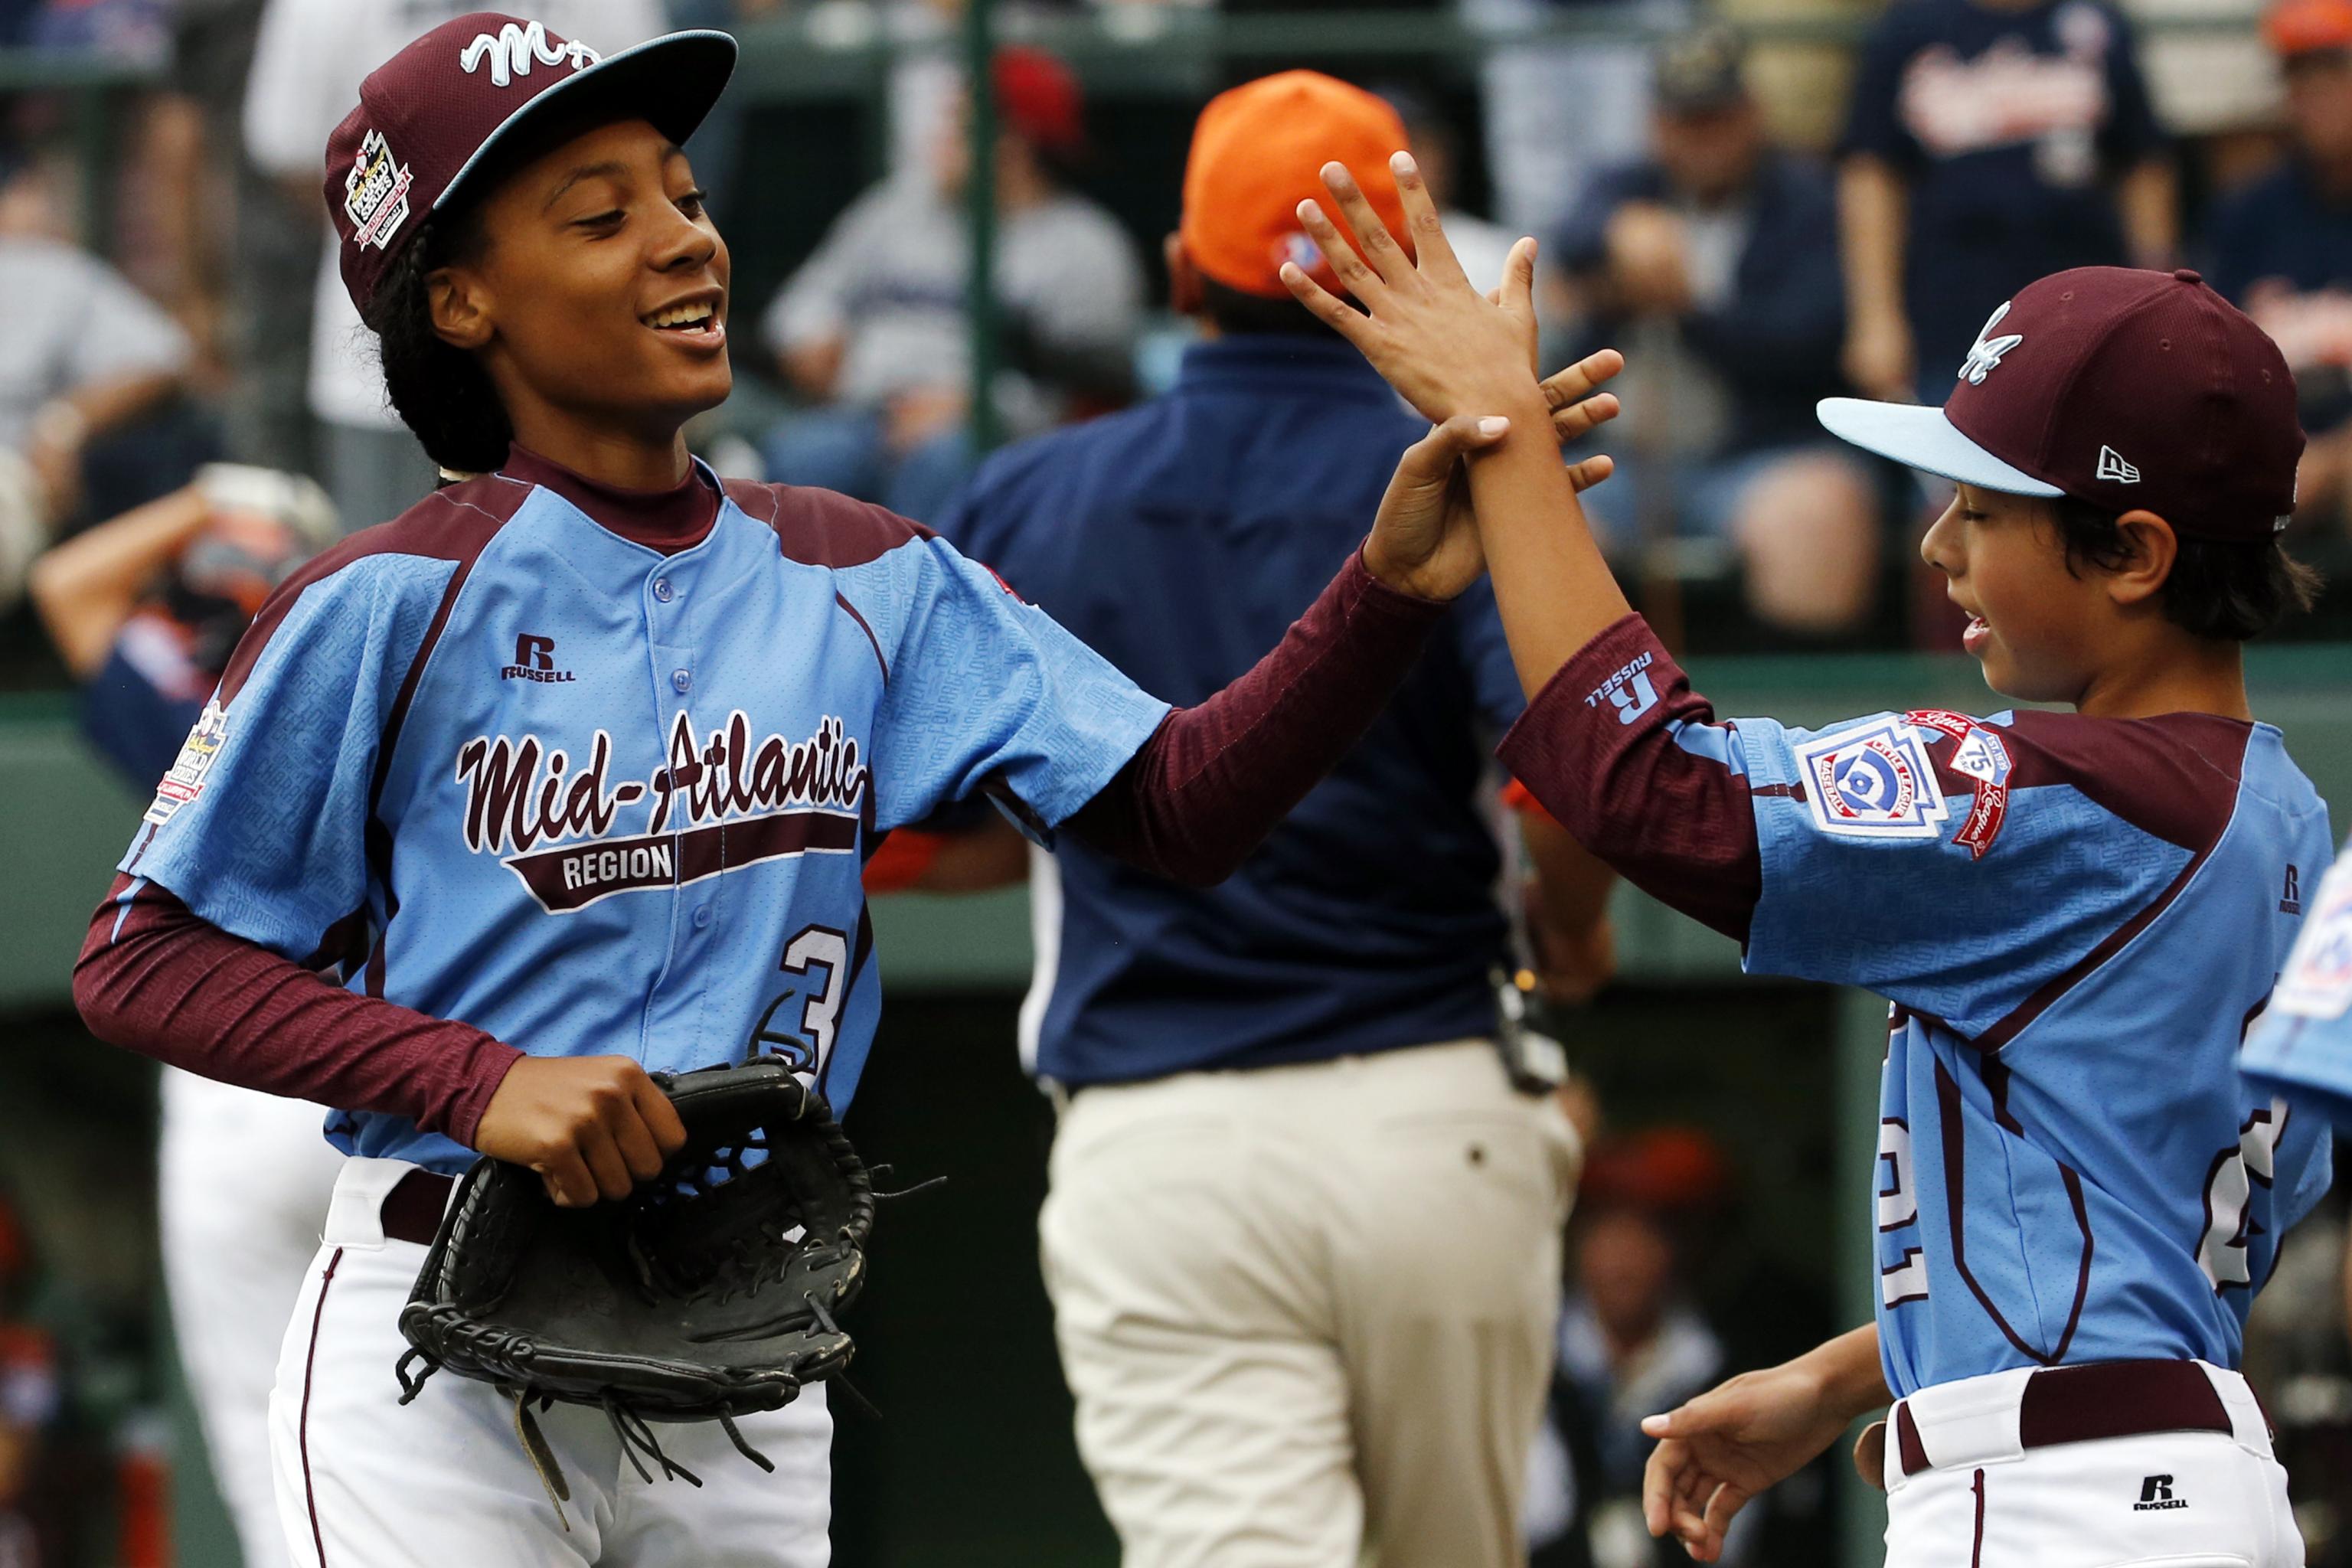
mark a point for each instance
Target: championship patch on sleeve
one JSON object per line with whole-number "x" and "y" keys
{"x": 2318, "y": 979}
{"x": 1871, "y": 781}
{"x": 185, "y": 782}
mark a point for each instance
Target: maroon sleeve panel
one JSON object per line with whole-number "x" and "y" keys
{"x": 155, "y": 979}
{"x": 1214, "y": 781}
{"x": 1628, "y": 758}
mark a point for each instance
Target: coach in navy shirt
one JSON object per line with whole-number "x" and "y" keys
{"x": 1251, "y": 1360}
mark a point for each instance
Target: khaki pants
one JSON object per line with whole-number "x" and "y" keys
{"x": 1307, "y": 1312}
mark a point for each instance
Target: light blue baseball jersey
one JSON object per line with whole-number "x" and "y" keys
{"x": 2076, "y": 919}
{"x": 2302, "y": 1046}
{"x": 593, "y": 798}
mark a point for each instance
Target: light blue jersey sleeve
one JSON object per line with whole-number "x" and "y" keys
{"x": 1951, "y": 864}
{"x": 2302, "y": 1046}
{"x": 260, "y": 826}
{"x": 986, "y": 691}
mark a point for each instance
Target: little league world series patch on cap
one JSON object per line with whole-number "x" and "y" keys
{"x": 2122, "y": 388}
{"x": 428, "y": 116}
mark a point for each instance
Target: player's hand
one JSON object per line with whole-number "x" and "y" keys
{"x": 1447, "y": 349}
{"x": 1727, "y": 1445}
{"x": 593, "y": 1126}
{"x": 1426, "y": 538}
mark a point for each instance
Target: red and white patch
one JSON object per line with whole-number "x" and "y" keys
{"x": 376, "y": 192}
{"x": 1982, "y": 755}
{"x": 185, "y": 781}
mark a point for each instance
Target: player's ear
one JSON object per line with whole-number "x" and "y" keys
{"x": 459, "y": 304}
{"x": 1183, "y": 277}
{"x": 2150, "y": 547}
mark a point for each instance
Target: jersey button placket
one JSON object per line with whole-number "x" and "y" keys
{"x": 681, "y": 682}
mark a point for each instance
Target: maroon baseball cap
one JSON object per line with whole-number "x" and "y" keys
{"x": 2122, "y": 388}
{"x": 429, "y": 115}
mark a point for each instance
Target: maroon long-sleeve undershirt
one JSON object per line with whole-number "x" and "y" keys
{"x": 1190, "y": 804}
{"x": 1599, "y": 747}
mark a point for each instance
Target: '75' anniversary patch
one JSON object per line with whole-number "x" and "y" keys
{"x": 1871, "y": 781}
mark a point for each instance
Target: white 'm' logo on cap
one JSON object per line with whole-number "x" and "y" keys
{"x": 517, "y": 46}
{"x": 1987, "y": 349}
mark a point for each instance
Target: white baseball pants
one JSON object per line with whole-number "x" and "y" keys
{"x": 2182, "y": 1500}
{"x": 243, "y": 1179}
{"x": 443, "y": 1482}
{"x": 1307, "y": 1312}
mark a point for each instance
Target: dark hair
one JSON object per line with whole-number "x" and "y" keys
{"x": 1245, "y": 315}
{"x": 440, "y": 391}
{"x": 2217, "y": 588}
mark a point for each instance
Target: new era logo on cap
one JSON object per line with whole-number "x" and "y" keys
{"x": 2113, "y": 467}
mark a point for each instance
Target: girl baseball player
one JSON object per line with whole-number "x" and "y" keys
{"x": 2075, "y": 914}
{"x": 568, "y": 772}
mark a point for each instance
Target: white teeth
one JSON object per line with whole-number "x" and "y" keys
{"x": 680, "y": 315}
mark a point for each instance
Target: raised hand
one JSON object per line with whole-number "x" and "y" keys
{"x": 1447, "y": 349}
{"x": 591, "y": 1126}
{"x": 1426, "y": 539}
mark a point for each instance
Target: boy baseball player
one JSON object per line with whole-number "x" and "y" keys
{"x": 2074, "y": 913}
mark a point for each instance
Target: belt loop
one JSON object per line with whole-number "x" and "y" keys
{"x": 2248, "y": 1423}
{"x": 1894, "y": 1463}
{"x": 355, "y": 1213}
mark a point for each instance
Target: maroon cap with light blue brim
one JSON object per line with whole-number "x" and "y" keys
{"x": 430, "y": 115}
{"x": 2127, "y": 390}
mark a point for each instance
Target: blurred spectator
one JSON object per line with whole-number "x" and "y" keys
{"x": 29, "y": 1399}
{"x": 138, "y": 32}
{"x": 1559, "y": 109}
{"x": 1480, "y": 246}
{"x": 873, "y": 329}
{"x": 2281, "y": 246}
{"x": 1632, "y": 1343}
{"x": 307, "y": 67}
{"x": 85, "y": 357}
{"x": 1989, "y": 142}
{"x": 1729, "y": 243}
{"x": 145, "y": 610}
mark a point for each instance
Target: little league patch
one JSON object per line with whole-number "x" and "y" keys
{"x": 1871, "y": 781}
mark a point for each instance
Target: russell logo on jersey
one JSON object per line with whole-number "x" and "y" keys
{"x": 744, "y": 802}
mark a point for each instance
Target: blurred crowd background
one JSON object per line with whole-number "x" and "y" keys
{"x": 1763, "y": 201}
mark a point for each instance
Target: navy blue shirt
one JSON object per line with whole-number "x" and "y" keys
{"x": 2008, "y": 127}
{"x": 1775, "y": 341}
{"x": 1179, "y": 539}
{"x": 138, "y": 709}
{"x": 2283, "y": 230}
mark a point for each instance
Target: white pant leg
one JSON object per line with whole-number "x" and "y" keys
{"x": 742, "y": 1517}
{"x": 243, "y": 1181}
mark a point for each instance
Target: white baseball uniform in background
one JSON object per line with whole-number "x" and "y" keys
{"x": 243, "y": 1179}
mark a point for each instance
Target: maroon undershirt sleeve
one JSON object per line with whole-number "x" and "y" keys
{"x": 1213, "y": 781}
{"x": 156, "y": 979}
{"x": 1599, "y": 747}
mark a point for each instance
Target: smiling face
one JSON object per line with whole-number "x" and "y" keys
{"x": 598, "y": 303}
{"x": 2038, "y": 629}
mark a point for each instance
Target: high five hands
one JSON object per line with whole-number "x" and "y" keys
{"x": 1464, "y": 360}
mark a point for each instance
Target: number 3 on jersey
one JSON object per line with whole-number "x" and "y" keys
{"x": 819, "y": 948}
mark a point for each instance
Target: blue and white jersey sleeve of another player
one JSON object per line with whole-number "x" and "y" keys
{"x": 507, "y": 765}
{"x": 2076, "y": 919}
{"x": 2301, "y": 1047}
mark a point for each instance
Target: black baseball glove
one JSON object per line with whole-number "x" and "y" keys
{"x": 710, "y": 1292}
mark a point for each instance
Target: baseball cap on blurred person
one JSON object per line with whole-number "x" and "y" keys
{"x": 2294, "y": 28}
{"x": 429, "y": 116}
{"x": 1698, "y": 72}
{"x": 2119, "y": 387}
{"x": 1038, "y": 98}
{"x": 1258, "y": 151}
